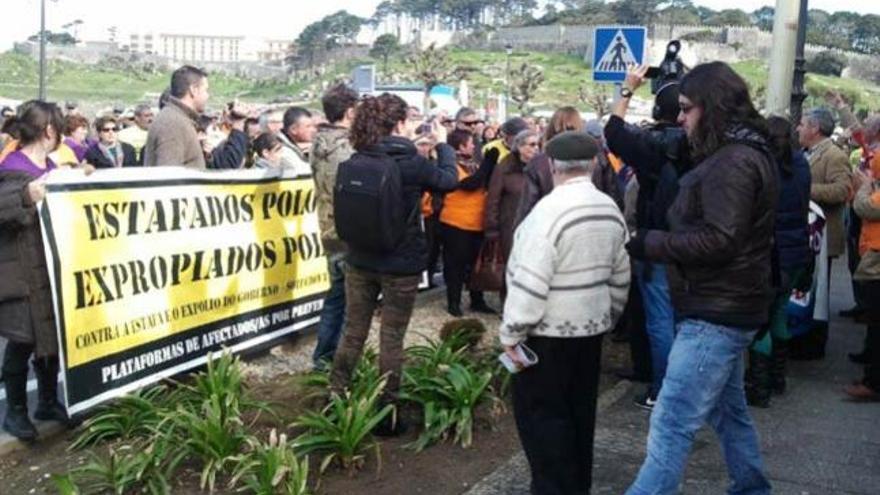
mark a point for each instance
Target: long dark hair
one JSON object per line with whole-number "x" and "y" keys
{"x": 563, "y": 119}
{"x": 782, "y": 142}
{"x": 375, "y": 118}
{"x": 723, "y": 97}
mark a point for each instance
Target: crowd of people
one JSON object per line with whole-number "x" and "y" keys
{"x": 687, "y": 237}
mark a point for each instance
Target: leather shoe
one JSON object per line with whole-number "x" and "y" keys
{"x": 862, "y": 393}
{"x": 851, "y": 312}
{"x": 19, "y": 425}
{"x": 482, "y": 307}
{"x": 454, "y": 310}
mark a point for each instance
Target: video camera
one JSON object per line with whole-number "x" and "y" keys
{"x": 671, "y": 68}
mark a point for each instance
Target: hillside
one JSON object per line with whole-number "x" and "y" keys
{"x": 565, "y": 74}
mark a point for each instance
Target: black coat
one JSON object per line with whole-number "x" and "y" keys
{"x": 792, "y": 222}
{"x": 96, "y": 158}
{"x": 25, "y": 298}
{"x": 658, "y": 156}
{"x": 720, "y": 240}
{"x": 418, "y": 175}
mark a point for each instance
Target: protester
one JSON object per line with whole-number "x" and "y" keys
{"x": 74, "y": 146}
{"x": 466, "y": 119}
{"x": 831, "y": 188}
{"x": 172, "y": 138}
{"x": 658, "y": 156}
{"x": 867, "y": 206}
{"x": 768, "y": 354}
{"x": 432, "y": 203}
{"x": 267, "y": 148}
{"x": 490, "y": 133}
{"x": 332, "y": 146}
{"x": 272, "y": 121}
{"x": 381, "y": 130}
{"x": 108, "y": 151}
{"x": 231, "y": 151}
{"x": 136, "y": 135}
{"x": 26, "y": 301}
{"x": 461, "y": 223}
{"x": 568, "y": 277}
{"x": 296, "y": 137}
{"x": 505, "y": 190}
{"x": 718, "y": 255}
{"x": 252, "y": 128}
{"x": 507, "y": 133}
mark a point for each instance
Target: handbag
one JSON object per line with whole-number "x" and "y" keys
{"x": 488, "y": 272}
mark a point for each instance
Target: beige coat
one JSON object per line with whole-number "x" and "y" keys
{"x": 832, "y": 179}
{"x": 172, "y": 139}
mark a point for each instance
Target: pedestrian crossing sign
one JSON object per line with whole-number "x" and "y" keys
{"x": 615, "y": 48}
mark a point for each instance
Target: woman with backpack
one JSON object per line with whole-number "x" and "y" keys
{"x": 377, "y": 205}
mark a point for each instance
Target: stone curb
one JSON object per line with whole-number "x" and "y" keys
{"x": 518, "y": 464}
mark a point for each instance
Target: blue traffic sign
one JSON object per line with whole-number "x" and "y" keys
{"x": 615, "y": 48}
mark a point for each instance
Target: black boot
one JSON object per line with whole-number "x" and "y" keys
{"x": 778, "y": 359}
{"x": 17, "y": 422}
{"x": 479, "y": 305}
{"x": 758, "y": 391}
{"x": 48, "y": 407}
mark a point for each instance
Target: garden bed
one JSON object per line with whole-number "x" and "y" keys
{"x": 441, "y": 468}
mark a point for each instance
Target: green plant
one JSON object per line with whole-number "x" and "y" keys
{"x": 271, "y": 468}
{"x": 468, "y": 331}
{"x": 126, "y": 469}
{"x": 128, "y": 417}
{"x": 213, "y": 434}
{"x": 341, "y": 431}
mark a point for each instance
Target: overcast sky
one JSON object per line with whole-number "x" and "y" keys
{"x": 262, "y": 18}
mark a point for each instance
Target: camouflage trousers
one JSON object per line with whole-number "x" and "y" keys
{"x": 362, "y": 289}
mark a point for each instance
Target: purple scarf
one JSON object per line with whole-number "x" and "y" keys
{"x": 78, "y": 149}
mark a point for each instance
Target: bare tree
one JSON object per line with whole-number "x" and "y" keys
{"x": 524, "y": 83}
{"x": 595, "y": 96}
{"x": 433, "y": 67}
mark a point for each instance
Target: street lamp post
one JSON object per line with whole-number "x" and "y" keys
{"x": 42, "y": 95}
{"x": 509, "y": 49}
{"x": 798, "y": 94}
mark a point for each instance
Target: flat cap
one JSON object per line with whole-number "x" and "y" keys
{"x": 572, "y": 145}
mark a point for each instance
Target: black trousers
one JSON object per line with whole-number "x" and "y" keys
{"x": 15, "y": 371}
{"x": 639, "y": 345}
{"x": 460, "y": 251}
{"x": 554, "y": 403}
{"x": 871, "y": 292}
{"x": 432, "y": 236}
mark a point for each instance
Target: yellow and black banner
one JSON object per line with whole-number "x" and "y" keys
{"x": 152, "y": 269}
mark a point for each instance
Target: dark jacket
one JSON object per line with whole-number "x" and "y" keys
{"x": 418, "y": 174}
{"x": 25, "y": 296}
{"x": 230, "y": 153}
{"x": 792, "y": 224}
{"x": 506, "y": 187}
{"x": 720, "y": 239}
{"x": 658, "y": 156}
{"x": 539, "y": 183}
{"x": 97, "y": 158}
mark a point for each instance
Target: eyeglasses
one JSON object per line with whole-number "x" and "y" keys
{"x": 471, "y": 123}
{"x": 686, "y": 108}
{"x": 110, "y": 129}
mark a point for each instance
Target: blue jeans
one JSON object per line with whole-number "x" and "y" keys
{"x": 659, "y": 317}
{"x": 332, "y": 314}
{"x": 704, "y": 384}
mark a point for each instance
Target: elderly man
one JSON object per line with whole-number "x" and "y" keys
{"x": 296, "y": 139}
{"x": 136, "y": 135}
{"x": 831, "y": 188}
{"x": 568, "y": 277}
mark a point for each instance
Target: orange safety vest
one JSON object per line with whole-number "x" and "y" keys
{"x": 464, "y": 209}
{"x": 869, "y": 239}
{"x": 427, "y": 206}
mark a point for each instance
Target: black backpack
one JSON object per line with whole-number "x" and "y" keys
{"x": 368, "y": 203}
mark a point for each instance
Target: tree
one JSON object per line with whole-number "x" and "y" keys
{"x": 763, "y": 18}
{"x": 595, "y": 96}
{"x": 730, "y": 17}
{"x": 385, "y": 46}
{"x": 524, "y": 83}
{"x": 55, "y": 38}
{"x": 866, "y": 37}
{"x": 636, "y": 12}
{"x": 827, "y": 63}
{"x": 333, "y": 30}
{"x": 433, "y": 67}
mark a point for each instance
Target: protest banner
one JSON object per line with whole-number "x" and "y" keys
{"x": 151, "y": 270}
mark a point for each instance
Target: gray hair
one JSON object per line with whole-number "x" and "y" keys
{"x": 574, "y": 166}
{"x": 521, "y": 137}
{"x": 142, "y": 109}
{"x": 822, "y": 118}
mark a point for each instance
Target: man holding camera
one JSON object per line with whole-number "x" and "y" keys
{"x": 659, "y": 156}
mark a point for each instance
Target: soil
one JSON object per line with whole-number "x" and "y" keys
{"x": 277, "y": 377}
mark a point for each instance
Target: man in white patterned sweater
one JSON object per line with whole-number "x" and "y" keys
{"x": 567, "y": 278}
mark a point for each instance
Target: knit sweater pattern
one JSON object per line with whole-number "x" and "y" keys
{"x": 568, "y": 274}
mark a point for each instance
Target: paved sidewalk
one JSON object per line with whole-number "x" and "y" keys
{"x": 813, "y": 440}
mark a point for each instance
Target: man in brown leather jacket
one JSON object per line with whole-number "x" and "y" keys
{"x": 718, "y": 253}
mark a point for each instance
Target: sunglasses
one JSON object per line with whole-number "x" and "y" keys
{"x": 110, "y": 129}
{"x": 471, "y": 123}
